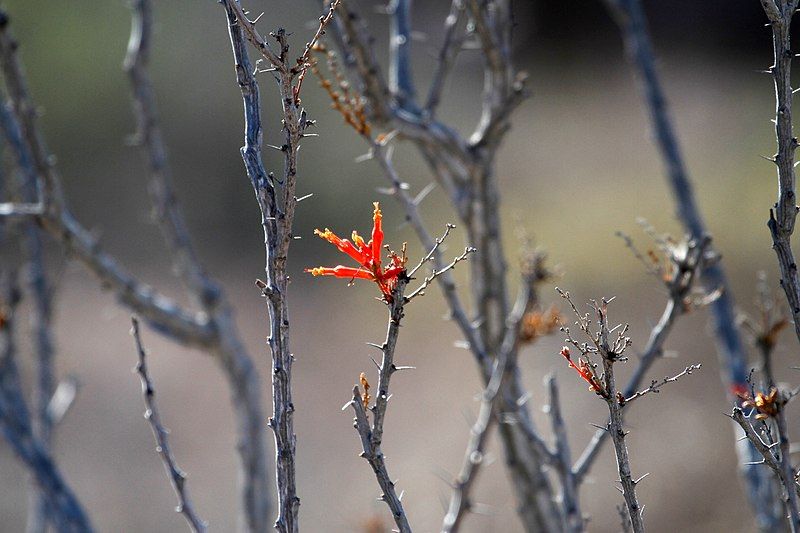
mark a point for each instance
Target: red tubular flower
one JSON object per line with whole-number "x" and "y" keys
{"x": 584, "y": 370}
{"x": 367, "y": 255}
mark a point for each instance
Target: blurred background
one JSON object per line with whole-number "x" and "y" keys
{"x": 578, "y": 166}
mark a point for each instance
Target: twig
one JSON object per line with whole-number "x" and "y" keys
{"x": 573, "y": 518}
{"x": 148, "y": 134}
{"x": 372, "y": 437}
{"x": 177, "y": 477}
{"x": 303, "y": 60}
{"x": 451, "y": 45}
{"x": 436, "y": 273}
{"x": 655, "y": 386}
{"x": 474, "y": 455}
{"x": 764, "y": 449}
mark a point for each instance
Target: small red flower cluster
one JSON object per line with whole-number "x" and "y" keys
{"x": 367, "y": 255}
{"x": 585, "y": 371}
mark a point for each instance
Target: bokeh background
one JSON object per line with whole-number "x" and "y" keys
{"x": 578, "y": 166}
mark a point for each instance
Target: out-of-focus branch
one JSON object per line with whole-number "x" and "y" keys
{"x": 474, "y": 455}
{"x": 401, "y": 82}
{"x": 448, "y": 52}
{"x": 177, "y": 477}
{"x": 372, "y": 436}
{"x": 40, "y": 291}
{"x": 64, "y": 510}
{"x": 573, "y": 518}
{"x": 161, "y": 312}
{"x": 31, "y": 155}
{"x": 148, "y": 134}
{"x": 633, "y": 25}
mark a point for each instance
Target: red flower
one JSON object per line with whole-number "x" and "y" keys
{"x": 585, "y": 371}
{"x": 367, "y": 255}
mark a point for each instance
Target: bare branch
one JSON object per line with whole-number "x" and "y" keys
{"x": 685, "y": 270}
{"x": 171, "y": 221}
{"x": 372, "y": 437}
{"x": 436, "y": 273}
{"x": 451, "y": 45}
{"x": 573, "y": 518}
{"x": 177, "y": 477}
{"x": 474, "y": 455}
{"x": 401, "y": 82}
{"x": 655, "y": 386}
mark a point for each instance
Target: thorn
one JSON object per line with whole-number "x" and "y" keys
{"x": 307, "y": 196}
{"x": 636, "y": 482}
{"x": 424, "y": 193}
{"x": 364, "y": 157}
{"x": 348, "y": 404}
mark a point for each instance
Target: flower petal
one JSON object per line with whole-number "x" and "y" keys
{"x": 343, "y": 245}
{"x": 341, "y": 272}
{"x": 377, "y": 235}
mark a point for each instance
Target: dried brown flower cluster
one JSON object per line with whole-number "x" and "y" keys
{"x": 538, "y": 323}
{"x": 347, "y": 102}
{"x": 767, "y": 404}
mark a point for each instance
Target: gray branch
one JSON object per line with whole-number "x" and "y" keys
{"x": 177, "y": 477}
{"x": 782, "y": 218}
{"x": 401, "y": 82}
{"x": 65, "y": 512}
{"x": 372, "y": 437}
{"x": 570, "y": 501}
{"x": 448, "y": 52}
{"x": 474, "y": 455}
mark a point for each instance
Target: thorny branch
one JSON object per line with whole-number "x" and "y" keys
{"x": 177, "y": 477}
{"x": 204, "y": 291}
{"x": 372, "y": 436}
{"x": 683, "y": 263}
{"x": 655, "y": 385}
{"x": 782, "y": 218}
{"x": 277, "y": 216}
{"x": 610, "y": 344}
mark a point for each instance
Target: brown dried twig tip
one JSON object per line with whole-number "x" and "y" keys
{"x": 344, "y": 99}
{"x": 365, "y": 398}
{"x": 675, "y": 262}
